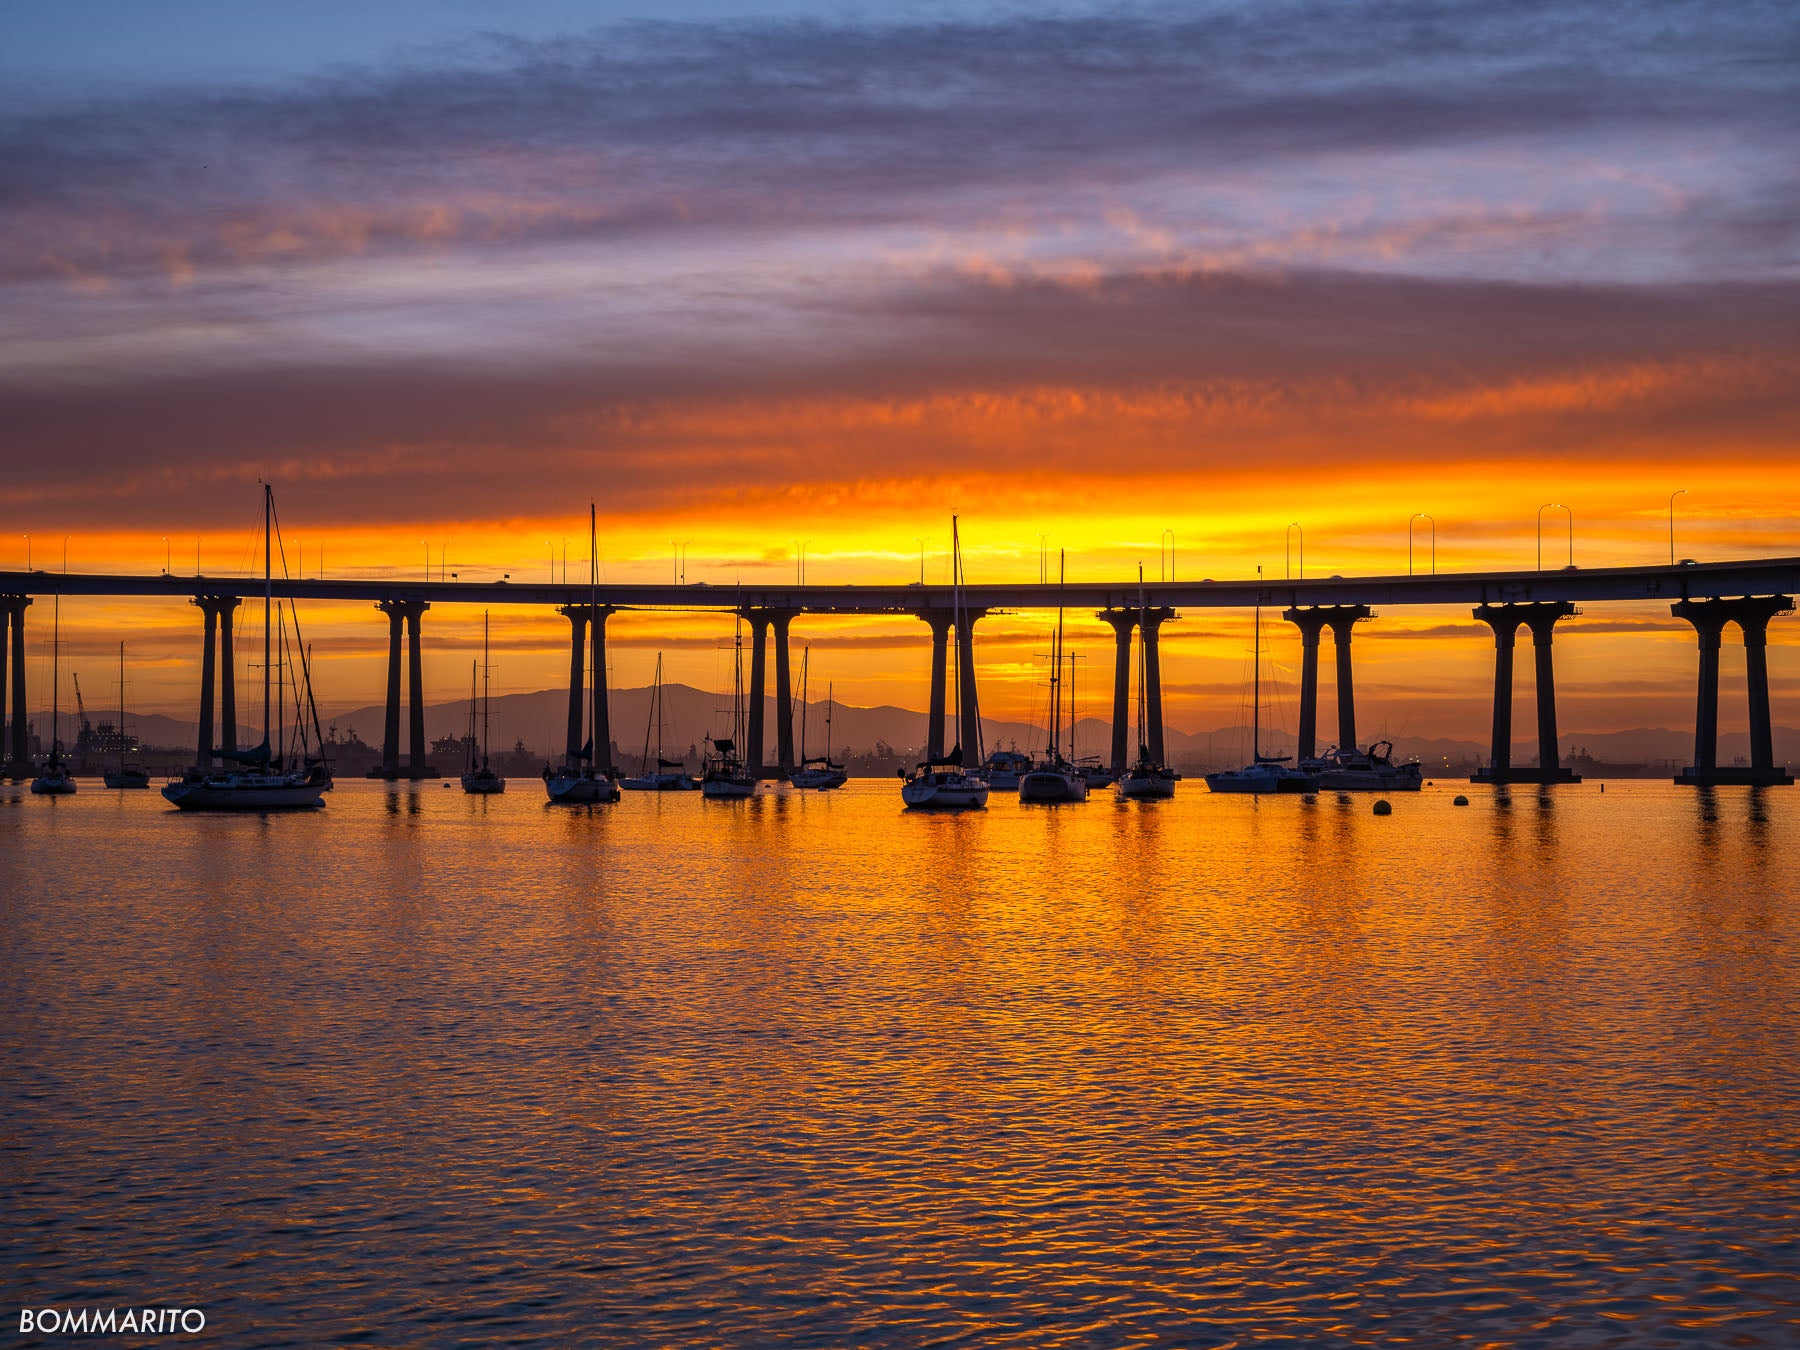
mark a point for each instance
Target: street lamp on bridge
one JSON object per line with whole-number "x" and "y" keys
{"x": 1672, "y": 496}
{"x": 1420, "y": 515}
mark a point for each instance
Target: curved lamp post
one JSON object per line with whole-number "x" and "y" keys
{"x": 1420, "y": 515}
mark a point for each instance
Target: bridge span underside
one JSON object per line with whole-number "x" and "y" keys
{"x": 1710, "y": 596}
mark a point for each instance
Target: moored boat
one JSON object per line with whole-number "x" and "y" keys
{"x": 942, "y": 783}
{"x": 124, "y": 774}
{"x": 724, "y": 776}
{"x": 1148, "y": 779}
{"x": 1371, "y": 770}
{"x": 669, "y": 775}
{"x": 261, "y": 779}
{"x": 943, "y": 786}
{"x": 1056, "y": 777}
{"x": 1004, "y": 768}
{"x": 586, "y": 778}
{"x": 817, "y": 772}
{"x": 479, "y": 778}
{"x": 1264, "y": 775}
{"x": 54, "y": 778}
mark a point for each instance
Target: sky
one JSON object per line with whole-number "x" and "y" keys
{"x": 761, "y": 278}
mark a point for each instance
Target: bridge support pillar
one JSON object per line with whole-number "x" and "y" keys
{"x": 12, "y": 622}
{"x": 1541, "y": 618}
{"x": 969, "y": 726}
{"x": 218, "y": 612}
{"x": 784, "y": 692}
{"x": 1751, "y": 614}
{"x": 1312, "y": 621}
{"x": 403, "y": 619}
{"x": 940, "y": 679}
{"x": 1152, "y": 623}
{"x": 227, "y": 676}
{"x": 759, "y": 650}
{"x": 1124, "y": 623}
{"x": 578, "y": 622}
{"x": 587, "y": 630}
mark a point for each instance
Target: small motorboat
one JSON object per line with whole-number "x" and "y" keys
{"x": 1371, "y": 770}
{"x": 1004, "y": 768}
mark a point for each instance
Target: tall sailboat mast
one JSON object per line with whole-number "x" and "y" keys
{"x": 1143, "y": 678}
{"x": 599, "y": 676}
{"x": 1256, "y": 682}
{"x": 268, "y": 600}
{"x": 956, "y": 621}
{"x": 1056, "y": 646}
{"x": 805, "y": 664}
{"x": 121, "y": 707}
{"x": 487, "y": 689}
{"x": 55, "y": 682}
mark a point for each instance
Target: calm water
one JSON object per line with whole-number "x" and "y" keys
{"x": 423, "y": 1068}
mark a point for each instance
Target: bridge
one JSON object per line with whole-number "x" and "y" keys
{"x": 1710, "y": 596}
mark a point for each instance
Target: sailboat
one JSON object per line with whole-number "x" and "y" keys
{"x": 581, "y": 781}
{"x": 124, "y": 775}
{"x": 817, "y": 771}
{"x": 724, "y": 777}
{"x": 258, "y": 780}
{"x": 1056, "y": 778}
{"x": 54, "y": 779}
{"x": 1264, "y": 774}
{"x": 670, "y": 775}
{"x": 479, "y": 778}
{"x": 945, "y": 784}
{"x": 1147, "y": 780}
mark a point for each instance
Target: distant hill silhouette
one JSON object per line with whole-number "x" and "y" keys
{"x": 538, "y": 719}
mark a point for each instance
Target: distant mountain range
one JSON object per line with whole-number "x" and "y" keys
{"x": 539, "y": 720}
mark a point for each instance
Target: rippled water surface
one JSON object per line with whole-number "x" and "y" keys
{"x": 425, "y": 1068}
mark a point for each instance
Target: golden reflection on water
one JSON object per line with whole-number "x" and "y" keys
{"x": 811, "y": 1067}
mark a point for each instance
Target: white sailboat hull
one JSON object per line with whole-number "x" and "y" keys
{"x": 483, "y": 783}
{"x": 821, "y": 779}
{"x": 1052, "y": 785}
{"x": 965, "y": 794}
{"x": 727, "y": 789}
{"x": 580, "y": 789}
{"x": 53, "y": 783}
{"x": 1144, "y": 787}
{"x": 247, "y": 792}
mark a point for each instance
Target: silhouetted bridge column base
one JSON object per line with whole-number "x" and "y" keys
{"x": 1751, "y": 614}
{"x": 403, "y": 621}
{"x": 1541, "y": 617}
{"x": 1736, "y": 774}
{"x": 1527, "y": 774}
{"x": 17, "y": 752}
{"x": 1311, "y": 621}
